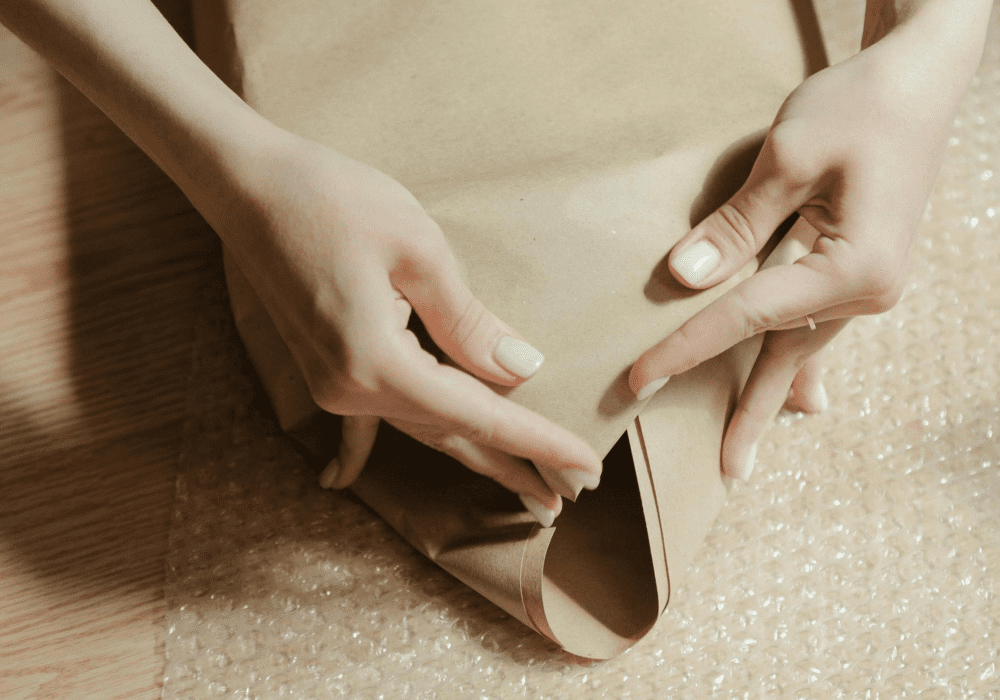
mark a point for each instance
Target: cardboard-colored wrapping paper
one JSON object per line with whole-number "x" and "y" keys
{"x": 563, "y": 146}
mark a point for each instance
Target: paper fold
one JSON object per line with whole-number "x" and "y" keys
{"x": 563, "y": 148}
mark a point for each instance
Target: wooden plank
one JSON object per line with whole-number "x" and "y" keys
{"x": 101, "y": 263}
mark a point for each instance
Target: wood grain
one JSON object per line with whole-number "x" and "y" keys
{"x": 101, "y": 263}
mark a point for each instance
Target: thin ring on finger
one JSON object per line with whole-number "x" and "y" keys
{"x": 849, "y": 309}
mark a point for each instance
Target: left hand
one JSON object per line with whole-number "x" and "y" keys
{"x": 854, "y": 150}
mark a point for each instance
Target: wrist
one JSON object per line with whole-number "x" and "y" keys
{"x": 212, "y": 153}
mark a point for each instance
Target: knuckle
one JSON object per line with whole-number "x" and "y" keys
{"x": 423, "y": 257}
{"x": 436, "y": 437}
{"x": 753, "y": 318}
{"x": 426, "y": 248}
{"x": 882, "y": 286}
{"x": 483, "y": 430}
{"x": 472, "y": 320}
{"x": 738, "y": 227}
{"x": 331, "y": 396}
{"x": 790, "y": 152}
{"x": 340, "y": 380}
{"x": 887, "y": 299}
{"x": 787, "y": 352}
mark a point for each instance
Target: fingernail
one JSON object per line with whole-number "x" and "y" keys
{"x": 546, "y": 516}
{"x": 696, "y": 262}
{"x": 517, "y": 357}
{"x": 329, "y": 475}
{"x": 568, "y": 483}
{"x": 651, "y": 388}
{"x": 822, "y": 400}
{"x": 748, "y": 464}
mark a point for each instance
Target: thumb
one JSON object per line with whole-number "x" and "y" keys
{"x": 735, "y": 232}
{"x": 465, "y": 329}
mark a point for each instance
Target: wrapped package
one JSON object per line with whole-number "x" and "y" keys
{"x": 563, "y": 147}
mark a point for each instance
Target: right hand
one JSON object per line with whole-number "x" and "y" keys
{"x": 340, "y": 254}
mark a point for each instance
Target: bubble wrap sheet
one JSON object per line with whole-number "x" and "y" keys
{"x": 863, "y": 559}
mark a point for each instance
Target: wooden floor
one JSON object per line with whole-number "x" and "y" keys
{"x": 101, "y": 264}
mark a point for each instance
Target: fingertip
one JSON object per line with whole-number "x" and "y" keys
{"x": 816, "y": 400}
{"x": 569, "y": 482}
{"x": 640, "y": 376}
{"x": 650, "y": 372}
{"x": 518, "y": 357}
{"x": 544, "y": 512}
{"x": 747, "y": 464}
{"x": 730, "y": 461}
{"x": 739, "y": 462}
{"x": 822, "y": 398}
{"x": 694, "y": 261}
{"x": 809, "y": 399}
{"x": 808, "y": 392}
{"x": 328, "y": 477}
{"x": 651, "y": 388}
{"x": 634, "y": 379}
{"x": 476, "y": 339}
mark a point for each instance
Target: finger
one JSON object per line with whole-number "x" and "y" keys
{"x": 356, "y": 442}
{"x": 461, "y": 325}
{"x": 808, "y": 393}
{"x": 726, "y": 240}
{"x": 781, "y": 357}
{"x": 849, "y": 309}
{"x": 439, "y": 395}
{"x": 512, "y": 473}
{"x": 767, "y": 300}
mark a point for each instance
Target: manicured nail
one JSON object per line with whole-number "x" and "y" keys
{"x": 568, "y": 483}
{"x": 748, "y": 463}
{"x": 329, "y": 475}
{"x": 546, "y": 516}
{"x": 651, "y": 388}
{"x": 696, "y": 262}
{"x": 517, "y": 357}
{"x": 822, "y": 400}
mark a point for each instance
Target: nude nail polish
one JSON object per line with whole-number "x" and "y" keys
{"x": 568, "y": 483}
{"x": 822, "y": 400}
{"x": 517, "y": 357}
{"x": 545, "y": 516}
{"x": 328, "y": 477}
{"x": 651, "y": 388}
{"x": 697, "y": 261}
{"x": 748, "y": 463}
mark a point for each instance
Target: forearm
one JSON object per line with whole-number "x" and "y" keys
{"x": 129, "y": 61}
{"x": 956, "y": 26}
{"x": 925, "y": 50}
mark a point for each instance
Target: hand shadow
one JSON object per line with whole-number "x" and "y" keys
{"x": 103, "y": 347}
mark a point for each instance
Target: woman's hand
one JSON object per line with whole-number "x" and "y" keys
{"x": 854, "y": 150}
{"x": 340, "y": 254}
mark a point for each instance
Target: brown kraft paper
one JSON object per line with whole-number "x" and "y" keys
{"x": 563, "y": 147}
